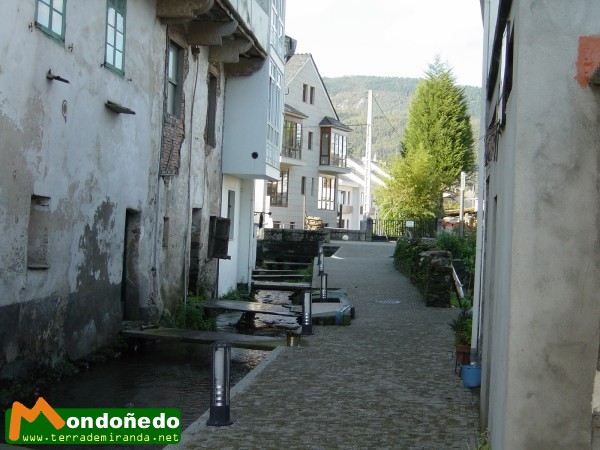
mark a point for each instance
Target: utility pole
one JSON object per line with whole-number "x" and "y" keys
{"x": 367, "y": 207}
{"x": 461, "y": 216}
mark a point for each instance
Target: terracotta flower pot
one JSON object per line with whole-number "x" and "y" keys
{"x": 463, "y": 356}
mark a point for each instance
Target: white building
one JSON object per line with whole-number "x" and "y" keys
{"x": 538, "y": 285}
{"x": 351, "y": 192}
{"x": 117, "y": 122}
{"x": 313, "y": 153}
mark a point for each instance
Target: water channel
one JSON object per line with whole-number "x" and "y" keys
{"x": 163, "y": 374}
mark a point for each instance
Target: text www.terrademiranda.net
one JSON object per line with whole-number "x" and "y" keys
{"x": 108, "y": 438}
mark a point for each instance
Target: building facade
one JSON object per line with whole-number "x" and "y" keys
{"x": 351, "y": 193}
{"x": 313, "y": 152}
{"x": 537, "y": 295}
{"x": 113, "y": 127}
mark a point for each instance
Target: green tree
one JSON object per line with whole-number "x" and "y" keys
{"x": 439, "y": 122}
{"x": 413, "y": 189}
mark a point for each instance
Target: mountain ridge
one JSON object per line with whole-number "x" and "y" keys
{"x": 391, "y": 102}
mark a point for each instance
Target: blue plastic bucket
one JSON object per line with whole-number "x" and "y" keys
{"x": 471, "y": 375}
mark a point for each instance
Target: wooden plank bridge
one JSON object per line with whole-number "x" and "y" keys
{"x": 251, "y": 307}
{"x": 206, "y": 337}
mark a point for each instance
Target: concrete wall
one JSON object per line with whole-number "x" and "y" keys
{"x": 228, "y": 269}
{"x": 540, "y": 304}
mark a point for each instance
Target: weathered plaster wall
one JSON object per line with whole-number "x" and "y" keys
{"x": 117, "y": 227}
{"x": 59, "y": 141}
{"x": 541, "y": 306}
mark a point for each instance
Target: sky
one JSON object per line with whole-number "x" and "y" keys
{"x": 396, "y": 38}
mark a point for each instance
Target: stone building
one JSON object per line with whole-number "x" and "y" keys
{"x": 116, "y": 129}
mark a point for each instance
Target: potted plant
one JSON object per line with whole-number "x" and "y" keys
{"x": 462, "y": 326}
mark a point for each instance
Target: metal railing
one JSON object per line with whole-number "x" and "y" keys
{"x": 333, "y": 160}
{"x": 291, "y": 152}
{"x": 397, "y": 228}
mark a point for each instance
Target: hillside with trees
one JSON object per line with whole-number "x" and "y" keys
{"x": 391, "y": 101}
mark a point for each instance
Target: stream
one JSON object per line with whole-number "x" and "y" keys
{"x": 162, "y": 374}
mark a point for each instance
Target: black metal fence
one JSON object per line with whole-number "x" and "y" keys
{"x": 390, "y": 229}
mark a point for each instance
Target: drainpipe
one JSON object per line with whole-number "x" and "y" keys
{"x": 481, "y": 200}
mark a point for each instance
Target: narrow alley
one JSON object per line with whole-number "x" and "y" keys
{"x": 385, "y": 381}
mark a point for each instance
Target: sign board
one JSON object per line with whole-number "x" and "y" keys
{"x": 410, "y": 224}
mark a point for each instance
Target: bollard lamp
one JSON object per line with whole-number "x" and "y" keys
{"x": 307, "y": 314}
{"x": 321, "y": 259}
{"x": 219, "y": 394}
{"x": 323, "y": 286}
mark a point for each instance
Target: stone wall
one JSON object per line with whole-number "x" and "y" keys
{"x": 342, "y": 234}
{"x": 437, "y": 284}
{"x": 284, "y": 234}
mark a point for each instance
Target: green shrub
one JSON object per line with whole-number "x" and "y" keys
{"x": 462, "y": 326}
{"x": 190, "y": 316}
{"x": 463, "y": 248}
{"x": 237, "y": 293}
{"x": 406, "y": 254}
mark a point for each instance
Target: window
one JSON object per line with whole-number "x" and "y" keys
{"x": 115, "y": 35}
{"x": 312, "y": 187}
{"x": 326, "y": 193}
{"x": 277, "y": 30}
{"x": 211, "y": 113}
{"x": 303, "y": 186}
{"x": 173, "y": 131}
{"x": 50, "y": 18}
{"x": 292, "y": 225}
{"x": 325, "y": 147}
{"x": 278, "y": 190}
{"x": 174, "y": 78}
{"x": 275, "y": 118}
{"x": 334, "y": 148}
{"x": 231, "y": 212}
{"x": 342, "y": 196}
{"x": 506, "y": 70}
{"x": 339, "y": 150}
{"x": 308, "y": 94}
{"x": 292, "y": 140}
{"x": 310, "y": 140}
{"x": 37, "y": 239}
